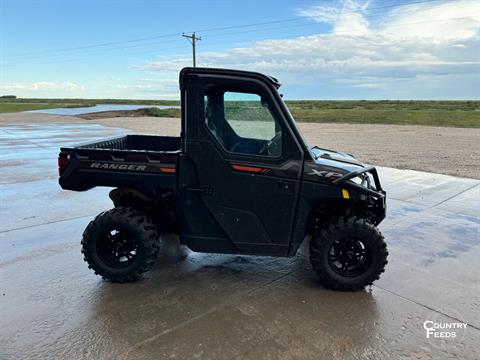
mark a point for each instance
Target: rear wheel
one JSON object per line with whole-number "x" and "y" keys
{"x": 348, "y": 254}
{"x": 120, "y": 244}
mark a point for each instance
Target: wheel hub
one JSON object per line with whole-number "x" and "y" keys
{"x": 349, "y": 257}
{"x": 117, "y": 249}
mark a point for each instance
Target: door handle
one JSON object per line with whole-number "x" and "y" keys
{"x": 202, "y": 190}
{"x": 284, "y": 186}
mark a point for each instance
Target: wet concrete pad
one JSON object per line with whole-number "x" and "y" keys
{"x": 466, "y": 203}
{"x": 38, "y": 202}
{"x": 222, "y": 306}
{"x": 422, "y": 188}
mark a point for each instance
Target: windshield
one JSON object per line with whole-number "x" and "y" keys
{"x": 299, "y": 132}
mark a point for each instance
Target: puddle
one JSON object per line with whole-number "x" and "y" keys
{"x": 99, "y": 108}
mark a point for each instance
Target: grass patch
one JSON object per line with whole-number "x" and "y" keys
{"x": 153, "y": 111}
{"x": 431, "y": 113}
{"x": 464, "y": 105}
{"x": 8, "y": 107}
{"x": 453, "y": 118}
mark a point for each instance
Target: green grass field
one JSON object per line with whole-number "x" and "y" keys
{"x": 10, "y": 106}
{"x": 433, "y": 113}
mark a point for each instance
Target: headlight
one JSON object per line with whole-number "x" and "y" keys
{"x": 365, "y": 180}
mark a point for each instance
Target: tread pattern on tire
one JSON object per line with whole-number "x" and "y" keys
{"x": 149, "y": 239}
{"x": 327, "y": 232}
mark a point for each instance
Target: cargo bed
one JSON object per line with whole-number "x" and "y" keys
{"x": 137, "y": 143}
{"x": 127, "y": 161}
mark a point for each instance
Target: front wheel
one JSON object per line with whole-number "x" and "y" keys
{"x": 120, "y": 244}
{"x": 348, "y": 254}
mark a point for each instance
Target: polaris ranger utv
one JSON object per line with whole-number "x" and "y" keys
{"x": 240, "y": 179}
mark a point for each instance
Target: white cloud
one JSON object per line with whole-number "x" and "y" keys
{"x": 137, "y": 86}
{"x": 42, "y": 86}
{"x": 326, "y": 14}
{"x": 370, "y": 85}
{"x": 351, "y": 15}
{"x": 411, "y": 43}
{"x": 454, "y": 20}
{"x": 163, "y": 88}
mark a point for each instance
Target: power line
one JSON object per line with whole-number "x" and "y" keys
{"x": 81, "y": 51}
{"x": 203, "y": 30}
{"x": 95, "y": 57}
{"x": 344, "y": 31}
{"x": 101, "y": 44}
{"x": 302, "y": 18}
{"x": 162, "y": 41}
{"x": 315, "y": 23}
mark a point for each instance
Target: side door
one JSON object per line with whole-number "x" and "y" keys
{"x": 248, "y": 164}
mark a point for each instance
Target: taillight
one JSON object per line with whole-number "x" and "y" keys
{"x": 62, "y": 164}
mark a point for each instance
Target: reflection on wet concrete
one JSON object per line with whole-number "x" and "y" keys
{"x": 220, "y": 306}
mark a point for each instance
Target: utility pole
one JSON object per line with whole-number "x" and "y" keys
{"x": 192, "y": 39}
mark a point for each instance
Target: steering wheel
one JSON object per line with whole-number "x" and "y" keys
{"x": 269, "y": 146}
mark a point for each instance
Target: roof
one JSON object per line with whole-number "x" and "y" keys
{"x": 231, "y": 72}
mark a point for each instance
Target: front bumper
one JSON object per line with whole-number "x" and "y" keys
{"x": 369, "y": 169}
{"x": 375, "y": 197}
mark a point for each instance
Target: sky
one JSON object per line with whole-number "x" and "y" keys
{"x": 328, "y": 49}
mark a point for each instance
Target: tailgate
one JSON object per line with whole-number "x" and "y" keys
{"x": 82, "y": 169}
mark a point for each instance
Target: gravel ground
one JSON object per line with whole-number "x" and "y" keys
{"x": 452, "y": 151}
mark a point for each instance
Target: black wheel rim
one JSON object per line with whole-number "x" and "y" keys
{"x": 349, "y": 257}
{"x": 117, "y": 249}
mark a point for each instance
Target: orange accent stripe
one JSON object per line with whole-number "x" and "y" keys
{"x": 251, "y": 169}
{"x": 168, "y": 170}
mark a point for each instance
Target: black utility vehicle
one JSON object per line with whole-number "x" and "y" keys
{"x": 240, "y": 179}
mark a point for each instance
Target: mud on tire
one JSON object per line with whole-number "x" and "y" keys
{"x": 348, "y": 254}
{"x": 120, "y": 244}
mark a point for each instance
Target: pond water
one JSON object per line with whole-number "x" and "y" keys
{"x": 99, "y": 108}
